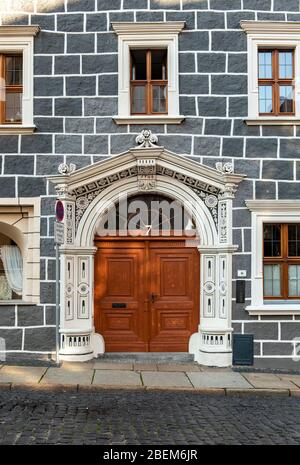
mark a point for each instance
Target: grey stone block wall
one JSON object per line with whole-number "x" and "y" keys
{"x": 75, "y": 82}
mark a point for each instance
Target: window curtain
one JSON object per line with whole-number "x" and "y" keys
{"x": 13, "y": 267}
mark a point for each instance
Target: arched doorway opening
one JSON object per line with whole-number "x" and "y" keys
{"x": 146, "y": 293}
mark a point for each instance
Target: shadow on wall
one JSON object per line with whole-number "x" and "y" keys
{"x": 16, "y": 7}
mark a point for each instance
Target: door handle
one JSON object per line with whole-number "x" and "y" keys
{"x": 153, "y": 297}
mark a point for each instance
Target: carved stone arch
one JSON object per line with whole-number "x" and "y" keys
{"x": 196, "y": 207}
{"x": 207, "y": 194}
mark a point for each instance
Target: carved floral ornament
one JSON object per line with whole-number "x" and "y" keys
{"x": 146, "y": 170}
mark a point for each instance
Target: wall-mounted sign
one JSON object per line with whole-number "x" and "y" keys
{"x": 59, "y": 211}
{"x": 58, "y": 232}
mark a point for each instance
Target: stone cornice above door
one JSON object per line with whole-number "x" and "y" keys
{"x": 77, "y": 179}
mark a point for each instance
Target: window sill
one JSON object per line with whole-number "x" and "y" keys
{"x": 272, "y": 121}
{"x": 16, "y": 129}
{"x": 273, "y": 309}
{"x": 149, "y": 119}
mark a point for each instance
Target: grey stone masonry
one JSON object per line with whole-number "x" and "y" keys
{"x": 76, "y": 96}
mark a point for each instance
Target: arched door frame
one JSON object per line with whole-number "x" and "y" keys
{"x": 206, "y": 194}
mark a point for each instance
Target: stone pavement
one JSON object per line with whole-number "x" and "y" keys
{"x": 147, "y": 376}
{"x": 150, "y": 417}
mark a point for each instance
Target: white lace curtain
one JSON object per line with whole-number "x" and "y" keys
{"x": 13, "y": 267}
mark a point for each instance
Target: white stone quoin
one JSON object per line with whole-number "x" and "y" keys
{"x": 206, "y": 192}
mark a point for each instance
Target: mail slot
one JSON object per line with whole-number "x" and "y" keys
{"x": 119, "y": 305}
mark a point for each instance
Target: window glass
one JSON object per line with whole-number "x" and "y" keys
{"x": 159, "y": 95}
{"x": 159, "y": 64}
{"x": 265, "y": 99}
{"x": 286, "y": 94}
{"x": 272, "y": 240}
{"x": 272, "y": 280}
{"x": 139, "y": 65}
{"x": 139, "y": 99}
{"x": 294, "y": 280}
{"x": 265, "y": 65}
{"x": 13, "y": 70}
{"x": 285, "y": 65}
{"x": 13, "y": 107}
{"x": 294, "y": 240}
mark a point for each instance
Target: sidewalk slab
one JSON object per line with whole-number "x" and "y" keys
{"x": 292, "y": 378}
{"x": 68, "y": 376}
{"x": 116, "y": 378}
{"x": 112, "y": 366}
{"x": 165, "y": 379}
{"x": 218, "y": 380}
{"x": 178, "y": 367}
{"x": 268, "y": 381}
{"x": 140, "y": 366}
{"x": 21, "y": 374}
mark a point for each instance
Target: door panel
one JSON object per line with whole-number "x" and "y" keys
{"x": 146, "y": 295}
{"x": 119, "y": 297}
{"x": 175, "y": 310}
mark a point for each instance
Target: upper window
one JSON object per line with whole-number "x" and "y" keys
{"x": 11, "y": 75}
{"x": 148, "y": 80}
{"x": 148, "y": 88}
{"x": 281, "y": 261}
{"x": 273, "y": 70}
{"x": 276, "y": 82}
{"x": 16, "y": 79}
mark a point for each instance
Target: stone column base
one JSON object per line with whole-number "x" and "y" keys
{"x": 77, "y": 346}
{"x": 212, "y": 347}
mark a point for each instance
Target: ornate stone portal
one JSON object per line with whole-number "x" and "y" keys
{"x": 207, "y": 193}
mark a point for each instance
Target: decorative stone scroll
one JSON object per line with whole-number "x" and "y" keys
{"x": 224, "y": 168}
{"x": 146, "y": 139}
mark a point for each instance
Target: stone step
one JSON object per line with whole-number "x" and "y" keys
{"x": 156, "y": 357}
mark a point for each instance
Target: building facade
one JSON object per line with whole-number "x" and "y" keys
{"x": 194, "y": 101}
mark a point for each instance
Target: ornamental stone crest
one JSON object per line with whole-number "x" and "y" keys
{"x": 66, "y": 169}
{"x": 146, "y": 139}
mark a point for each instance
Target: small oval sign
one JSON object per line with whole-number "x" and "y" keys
{"x": 59, "y": 210}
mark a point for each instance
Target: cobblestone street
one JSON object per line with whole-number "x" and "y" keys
{"x": 131, "y": 417}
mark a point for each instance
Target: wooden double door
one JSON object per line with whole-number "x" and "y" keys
{"x": 146, "y": 294}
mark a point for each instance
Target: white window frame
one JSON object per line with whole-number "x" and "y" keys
{"x": 270, "y": 34}
{"x": 268, "y": 211}
{"x": 20, "y": 39}
{"x": 147, "y": 35}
